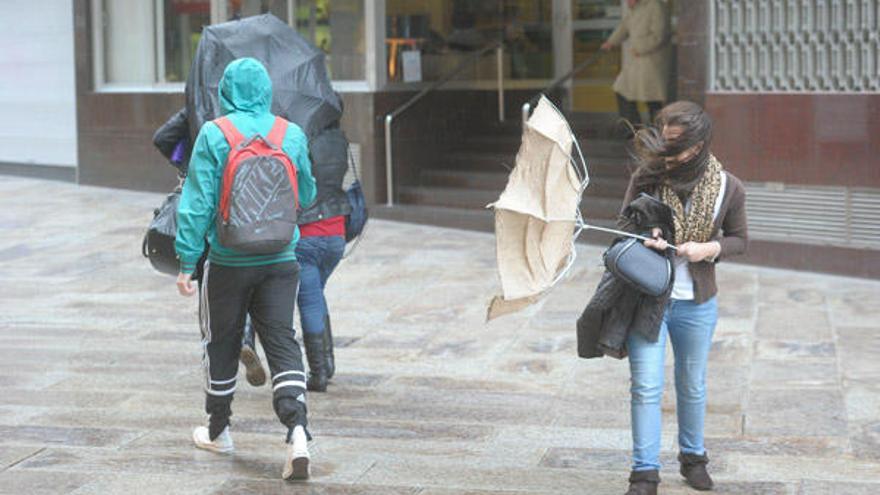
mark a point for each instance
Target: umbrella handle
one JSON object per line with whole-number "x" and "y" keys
{"x": 620, "y": 233}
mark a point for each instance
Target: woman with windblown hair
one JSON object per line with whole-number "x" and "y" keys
{"x": 708, "y": 204}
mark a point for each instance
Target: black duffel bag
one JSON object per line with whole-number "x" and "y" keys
{"x": 158, "y": 245}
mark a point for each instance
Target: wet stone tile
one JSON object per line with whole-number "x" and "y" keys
{"x": 862, "y": 400}
{"x": 386, "y": 342}
{"x": 779, "y": 446}
{"x": 592, "y": 459}
{"x": 750, "y": 488}
{"x": 189, "y": 462}
{"x": 732, "y": 349}
{"x": 18, "y": 482}
{"x": 389, "y": 430}
{"x": 793, "y": 412}
{"x": 15, "y": 252}
{"x": 856, "y": 307}
{"x": 266, "y": 487}
{"x": 530, "y": 367}
{"x": 358, "y": 380}
{"x": 453, "y": 491}
{"x": 454, "y": 384}
{"x": 781, "y": 349}
{"x": 341, "y": 342}
{"x": 793, "y": 295}
{"x": 803, "y": 325}
{"x": 413, "y": 410}
{"x": 736, "y": 306}
{"x": 866, "y": 440}
{"x": 550, "y": 345}
{"x": 794, "y": 374}
{"x": 12, "y": 455}
{"x": 815, "y": 487}
{"x": 163, "y": 335}
{"x": 420, "y": 314}
{"x": 451, "y": 349}
{"x": 858, "y": 348}
{"x": 150, "y": 484}
{"x": 54, "y": 435}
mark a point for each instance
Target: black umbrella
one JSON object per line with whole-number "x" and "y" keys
{"x": 301, "y": 90}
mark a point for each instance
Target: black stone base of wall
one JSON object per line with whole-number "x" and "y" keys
{"x": 37, "y": 171}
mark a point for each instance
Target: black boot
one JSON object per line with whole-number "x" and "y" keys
{"x": 314, "y": 343}
{"x": 328, "y": 348}
{"x": 256, "y": 374}
{"x": 643, "y": 482}
{"x": 693, "y": 468}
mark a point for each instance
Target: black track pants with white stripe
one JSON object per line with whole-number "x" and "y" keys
{"x": 267, "y": 293}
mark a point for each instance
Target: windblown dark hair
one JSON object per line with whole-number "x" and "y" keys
{"x": 650, "y": 150}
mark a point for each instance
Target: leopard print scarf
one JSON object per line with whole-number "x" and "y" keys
{"x": 697, "y": 223}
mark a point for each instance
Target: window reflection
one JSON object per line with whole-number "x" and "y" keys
{"x": 183, "y": 21}
{"x": 444, "y": 32}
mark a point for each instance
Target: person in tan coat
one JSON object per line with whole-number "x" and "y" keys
{"x": 645, "y": 72}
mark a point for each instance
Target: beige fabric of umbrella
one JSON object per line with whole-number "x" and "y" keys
{"x": 536, "y": 215}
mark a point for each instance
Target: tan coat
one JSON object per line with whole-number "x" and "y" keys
{"x": 644, "y": 77}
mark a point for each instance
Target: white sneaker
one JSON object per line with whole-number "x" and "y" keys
{"x": 297, "y": 465}
{"x": 222, "y": 444}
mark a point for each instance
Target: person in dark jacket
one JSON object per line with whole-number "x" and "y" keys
{"x": 320, "y": 251}
{"x": 320, "y": 248}
{"x": 709, "y": 214}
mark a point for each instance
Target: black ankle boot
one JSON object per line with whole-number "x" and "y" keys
{"x": 693, "y": 468}
{"x": 328, "y": 349}
{"x": 314, "y": 343}
{"x": 643, "y": 482}
{"x": 256, "y": 374}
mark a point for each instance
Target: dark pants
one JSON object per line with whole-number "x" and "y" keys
{"x": 629, "y": 109}
{"x": 267, "y": 293}
{"x": 318, "y": 257}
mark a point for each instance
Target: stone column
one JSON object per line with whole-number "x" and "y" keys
{"x": 694, "y": 49}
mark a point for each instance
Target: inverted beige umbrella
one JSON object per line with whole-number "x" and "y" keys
{"x": 538, "y": 216}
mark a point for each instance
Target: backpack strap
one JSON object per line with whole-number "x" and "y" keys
{"x": 277, "y": 133}
{"x": 233, "y": 137}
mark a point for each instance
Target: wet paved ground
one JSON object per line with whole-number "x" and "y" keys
{"x": 100, "y": 377}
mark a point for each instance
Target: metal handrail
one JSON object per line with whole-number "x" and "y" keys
{"x": 527, "y": 106}
{"x": 498, "y": 46}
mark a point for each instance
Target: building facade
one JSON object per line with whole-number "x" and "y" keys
{"x": 793, "y": 87}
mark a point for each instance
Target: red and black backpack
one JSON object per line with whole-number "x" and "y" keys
{"x": 259, "y": 196}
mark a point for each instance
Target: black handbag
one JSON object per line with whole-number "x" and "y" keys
{"x": 643, "y": 268}
{"x": 158, "y": 244}
{"x": 356, "y": 220}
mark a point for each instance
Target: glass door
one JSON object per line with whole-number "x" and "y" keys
{"x": 593, "y": 21}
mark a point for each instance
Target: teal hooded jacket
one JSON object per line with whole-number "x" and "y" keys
{"x": 245, "y": 98}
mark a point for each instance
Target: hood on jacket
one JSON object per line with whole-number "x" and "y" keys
{"x": 245, "y": 87}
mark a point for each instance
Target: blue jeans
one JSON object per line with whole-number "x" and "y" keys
{"x": 317, "y": 257}
{"x": 690, "y": 327}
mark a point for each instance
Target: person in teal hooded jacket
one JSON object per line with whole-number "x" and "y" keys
{"x": 235, "y": 285}
{"x": 245, "y": 98}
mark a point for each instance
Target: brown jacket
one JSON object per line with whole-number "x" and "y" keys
{"x": 731, "y": 231}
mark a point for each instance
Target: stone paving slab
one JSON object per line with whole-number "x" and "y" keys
{"x": 100, "y": 373}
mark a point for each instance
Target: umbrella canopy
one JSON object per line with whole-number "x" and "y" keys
{"x": 301, "y": 90}
{"x": 537, "y": 215}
